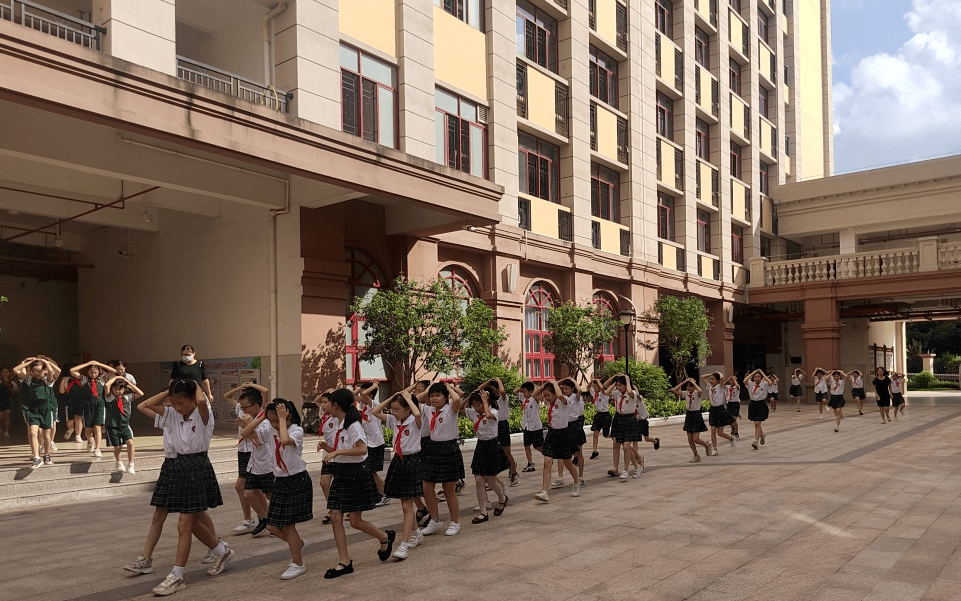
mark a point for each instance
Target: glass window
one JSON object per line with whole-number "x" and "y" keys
{"x": 735, "y": 160}
{"x": 603, "y": 77}
{"x": 538, "y": 164}
{"x": 702, "y": 48}
{"x": 536, "y": 35}
{"x": 703, "y": 147}
{"x": 605, "y": 193}
{"x": 765, "y": 169}
{"x": 762, "y": 26}
{"x": 459, "y": 135}
{"x": 365, "y": 277}
{"x": 665, "y": 116}
{"x": 664, "y": 17}
{"x": 735, "y": 72}
{"x": 538, "y": 363}
{"x": 468, "y": 11}
{"x": 703, "y": 231}
{"x": 368, "y": 97}
{"x": 665, "y": 216}
{"x": 762, "y": 98}
{"x": 737, "y": 244}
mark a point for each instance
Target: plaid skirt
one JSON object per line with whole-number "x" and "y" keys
{"x": 757, "y": 411}
{"x": 602, "y": 423}
{"x": 292, "y": 501}
{"x": 489, "y": 458}
{"x": 897, "y": 399}
{"x": 644, "y": 427}
{"x": 796, "y": 390}
{"x": 694, "y": 422}
{"x": 404, "y": 478}
{"x": 558, "y": 445}
{"x": 858, "y": 393}
{"x": 837, "y": 401}
{"x": 734, "y": 409}
{"x": 189, "y": 487}
{"x": 325, "y": 470}
{"x": 629, "y": 429}
{"x": 534, "y": 438}
{"x": 617, "y": 426}
{"x": 262, "y": 482}
{"x": 352, "y": 489}
{"x": 504, "y": 433}
{"x": 425, "y": 444}
{"x": 719, "y": 416}
{"x": 243, "y": 461}
{"x": 578, "y": 437}
{"x": 375, "y": 459}
{"x": 443, "y": 462}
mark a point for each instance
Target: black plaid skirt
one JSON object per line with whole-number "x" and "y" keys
{"x": 578, "y": 437}
{"x": 694, "y": 422}
{"x": 897, "y": 398}
{"x": 425, "y": 444}
{"x": 404, "y": 478}
{"x": 375, "y": 458}
{"x": 796, "y": 390}
{"x": 352, "y": 489}
{"x": 858, "y": 393}
{"x": 734, "y": 409}
{"x": 644, "y": 427}
{"x": 719, "y": 416}
{"x": 292, "y": 501}
{"x": 262, "y": 482}
{"x": 837, "y": 401}
{"x": 602, "y": 423}
{"x": 628, "y": 430}
{"x": 617, "y": 426}
{"x": 443, "y": 462}
{"x": 558, "y": 445}
{"x": 243, "y": 460}
{"x": 757, "y": 411}
{"x": 189, "y": 487}
{"x": 489, "y": 458}
{"x": 504, "y": 433}
{"x": 534, "y": 438}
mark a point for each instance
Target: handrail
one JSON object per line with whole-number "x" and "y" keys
{"x": 841, "y": 267}
{"x": 52, "y": 22}
{"x": 232, "y": 84}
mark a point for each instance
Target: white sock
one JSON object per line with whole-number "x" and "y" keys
{"x": 178, "y": 572}
{"x": 220, "y": 549}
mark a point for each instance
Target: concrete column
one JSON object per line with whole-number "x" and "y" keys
{"x": 822, "y": 332}
{"x": 849, "y": 241}
{"x": 927, "y": 361}
{"x": 721, "y": 337}
{"x": 573, "y": 63}
{"x": 508, "y": 306}
{"x": 756, "y": 265}
{"x": 928, "y": 251}
{"x": 142, "y": 32}
{"x": 415, "y": 77}
{"x": 502, "y": 88}
{"x": 422, "y": 260}
{"x": 643, "y": 298}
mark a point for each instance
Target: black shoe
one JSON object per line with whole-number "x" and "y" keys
{"x": 335, "y": 573}
{"x": 385, "y": 555}
{"x": 595, "y": 455}
{"x": 575, "y": 460}
{"x": 261, "y": 526}
{"x": 657, "y": 443}
{"x": 529, "y": 468}
{"x": 458, "y": 487}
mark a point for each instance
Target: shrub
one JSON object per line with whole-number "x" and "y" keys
{"x": 511, "y": 378}
{"x": 926, "y": 379}
{"x": 653, "y": 384}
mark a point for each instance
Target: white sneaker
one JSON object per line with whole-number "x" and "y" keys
{"x": 97, "y": 453}
{"x": 130, "y": 469}
{"x": 293, "y": 571}
{"x": 245, "y": 527}
{"x": 120, "y": 467}
{"x": 89, "y": 446}
{"x": 452, "y": 529}
{"x": 415, "y": 539}
{"x": 53, "y": 446}
{"x": 68, "y": 435}
{"x": 542, "y": 496}
{"x": 220, "y": 561}
{"x": 624, "y": 475}
{"x": 169, "y": 586}
{"x": 141, "y": 566}
{"x": 577, "y": 491}
{"x": 78, "y": 439}
{"x": 400, "y": 552}
{"x": 638, "y": 472}
{"x": 432, "y": 527}
{"x": 210, "y": 557}
{"x": 383, "y": 501}
{"x": 559, "y": 482}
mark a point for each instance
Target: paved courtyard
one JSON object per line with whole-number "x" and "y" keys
{"x": 872, "y": 512}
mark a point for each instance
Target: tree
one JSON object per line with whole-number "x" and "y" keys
{"x": 682, "y": 329}
{"x": 578, "y": 335}
{"x": 479, "y": 338}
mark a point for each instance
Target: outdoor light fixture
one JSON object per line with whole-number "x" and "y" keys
{"x": 627, "y": 318}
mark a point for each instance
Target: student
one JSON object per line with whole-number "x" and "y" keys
{"x": 192, "y": 488}
{"x": 624, "y": 426}
{"x": 9, "y": 394}
{"x": 530, "y": 422}
{"x": 443, "y": 462}
{"x": 244, "y": 448}
{"x": 38, "y": 375}
{"x": 602, "y": 419}
{"x": 732, "y": 394}
{"x": 820, "y": 389}
{"x": 689, "y": 392}
{"x": 882, "y": 387}
{"x": 643, "y": 429}
{"x": 419, "y": 391}
{"x": 70, "y": 403}
{"x": 374, "y": 431}
{"x": 121, "y": 369}
{"x": 718, "y": 415}
{"x": 403, "y": 476}
{"x": 757, "y": 386}
{"x": 575, "y": 425}
{"x": 898, "y": 387}
{"x": 255, "y": 468}
{"x": 120, "y": 395}
{"x": 836, "y": 383}
{"x": 489, "y": 459}
{"x": 90, "y": 377}
{"x": 352, "y": 489}
{"x": 857, "y": 389}
{"x": 327, "y": 432}
{"x": 503, "y": 413}
{"x": 292, "y": 499}
{"x": 557, "y": 444}
{"x": 772, "y": 392}
{"x": 796, "y": 391}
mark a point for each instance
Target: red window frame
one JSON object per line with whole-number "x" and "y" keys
{"x": 462, "y": 284}
{"x": 702, "y": 139}
{"x": 702, "y": 48}
{"x": 607, "y": 352}
{"x": 762, "y": 26}
{"x": 703, "y": 231}
{"x": 762, "y": 100}
{"x": 538, "y": 168}
{"x": 605, "y": 193}
{"x": 665, "y": 116}
{"x": 538, "y": 40}
{"x": 665, "y": 216}
{"x": 363, "y": 270}
{"x": 365, "y": 98}
{"x": 603, "y": 77}
{"x": 457, "y": 132}
{"x": 737, "y": 244}
{"x": 735, "y": 160}
{"x": 735, "y": 76}
{"x": 460, "y": 9}
{"x": 664, "y": 17}
{"x": 538, "y": 363}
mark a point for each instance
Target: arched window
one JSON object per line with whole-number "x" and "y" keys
{"x": 364, "y": 278}
{"x": 539, "y": 364}
{"x": 605, "y": 303}
{"x": 460, "y": 281}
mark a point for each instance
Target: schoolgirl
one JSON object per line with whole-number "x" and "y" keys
{"x": 258, "y": 476}
{"x": 857, "y": 389}
{"x": 732, "y": 395}
{"x": 69, "y": 408}
{"x": 625, "y": 428}
{"x": 898, "y": 388}
{"x": 404, "y": 474}
{"x": 327, "y": 431}
{"x": 502, "y": 411}
{"x": 120, "y": 395}
{"x": 836, "y": 384}
{"x": 820, "y": 389}
{"x": 602, "y": 419}
{"x": 689, "y": 392}
{"x": 796, "y": 391}
{"x": 352, "y": 489}
{"x": 443, "y": 462}
{"x": 38, "y": 375}
{"x": 489, "y": 459}
{"x": 557, "y": 444}
{"x": 643, "y": 429}
{"x": 191, "y": 487}
{"x": 244, "y": 447}
{"x": 365, "y": 395}
{"x": 89, "y": 376}
{"x": 531, "y": 423}
{"x": 718, "y": 415}
{"x": 417, "y": 391}
{"x": 757, "y": 386}
{"x": 575, "y": 425}
{"x": 772, "y": 392}
{"x": 882, "y": 387}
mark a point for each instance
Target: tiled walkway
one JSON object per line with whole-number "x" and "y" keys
{"x": 872, "y": 513}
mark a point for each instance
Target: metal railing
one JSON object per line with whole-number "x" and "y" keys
{"x": 233, "y": 85}
{"x": 51, "y": 22}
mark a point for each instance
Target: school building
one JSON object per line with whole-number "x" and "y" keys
{"x": 230, "y": 174}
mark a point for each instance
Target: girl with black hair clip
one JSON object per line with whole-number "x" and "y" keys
{"x": 557, "y": 445}
{"x": 836, "y": 383}
{"x": 625, "y": 428}
{"x": 489, "y": 458}
{"x": 857, "y": 389}
{"x": 757, "y": 411}
{"x": 797, "y": 391}
{"x": 718, "y": 415}
{"x": 364, "y": 395}
{"x": 732, "y": 395}
{"x": 689, "y": 392}
{"x": 352, "y": 489}
{"x": 575, "y": 426}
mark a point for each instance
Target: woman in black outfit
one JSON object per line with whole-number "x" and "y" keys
{"x": 191, "y": 368}
{"x": 882, "y": 386}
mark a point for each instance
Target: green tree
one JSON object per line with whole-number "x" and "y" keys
{"x": 578, "y": 335}
{"x": 682, "y": 331}
{"x": 479, "y": 338}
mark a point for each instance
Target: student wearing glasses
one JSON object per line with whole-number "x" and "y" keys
{"x": 246, "y": 401}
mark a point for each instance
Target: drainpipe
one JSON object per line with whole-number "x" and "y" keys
{"x": 269, "y": 62}
{"x": 272, "y": 275}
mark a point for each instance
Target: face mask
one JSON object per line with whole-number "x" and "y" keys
{"x": 188, "y": 358}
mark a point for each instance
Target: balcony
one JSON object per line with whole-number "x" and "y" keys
{"x": 609, "y": 133}
{"x": 610, "y": 237}
{"x": 671, "y": 255}
{"x": 851, "y": 266}
{"x": 542, "y": 100}
{"x": 740, "y": 201}
{"x": 707, "y": 184}
{"x": 668, "y": 62}
{"x": 740, "y": 118}
{"x": 706, "y": 91}
{"x": 544, "y": 217}
{"x": 233, "y": 85}
{"x": 52, "y": 23}
{"x": 670, "y": 164}
{"x": 708, "y": 266}
{"x": 707, "y": 9}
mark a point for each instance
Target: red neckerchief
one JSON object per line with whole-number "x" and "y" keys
{"x": 93, "y": 388}
{"x": 596, "y": 396}
{"x": 120, "y": 405}
{"x": 756, "y": 386}
{"x": 433, "y": 419}
{"x": 525, "y": 404}
{"x": 550, "y": 412}
{"x": 280, "y": 461}
{"x": 336, "y": 440}
{"x": 363, "y": 415}
{"x": 400, "y": 433}
{"x": 480, "y": 418}
{"x": 323, "y": 421}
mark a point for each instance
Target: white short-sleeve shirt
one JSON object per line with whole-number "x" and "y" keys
{"x": 407, "y": 433}
{"x": 896, "y": 384}
{"x": 168, "y": 452}
{"x": 820, "y": 384}
{"x": 623, "y": 403}
{"x": 691, "y": 398}
{"x": 795, "y": 381}
{"x": 443, "y": 423}
{"x": 601, "y": 402}
{"x": 575, "y": 406}
{"x": 346, "y": 439}
{"x": 530, "y": 414}
{"x": 372, "y": 428}
{"x": 716, "y": 395}
{"x": 640, "y": 408}
{"x": 245, "y": 445}
{"x": 837, "y": 386}
{"x": 857, "y": 382}
{"x": 187, "y": 435}
{"x": 557, "y": 414}
{"x": 503, "y": 411}
{"x": 289, "y": 459}
{"x": 329, "y": 426}
{"x": 757, "y": 390}
{"x": 262, "y": 457}
{"x": 484, "y": 427}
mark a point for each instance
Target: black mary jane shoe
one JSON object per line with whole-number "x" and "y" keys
{"x": 480, "y": 519}
{"x": 334, "y": 572}
{"x": 499, "y": 508}
{"x": 385, "y": 555}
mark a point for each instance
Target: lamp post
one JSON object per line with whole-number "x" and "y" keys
{"x": 627, "y": 317}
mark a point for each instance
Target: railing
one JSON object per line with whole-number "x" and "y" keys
{"x": 949, "y": 256}
{"x": 678, "y": 69}
{"x": 561, "y": 111}
{"x": 232, "y": 85}
{"x": 715, "y": 97}
{"x": 524, "y": 213}
{"x": 596, "y": 234}
{"x": 52, "y": 23}
{"x": 626, "y": 243}
{"x": 678, "y": 169}
{"x": 657, "y": 54}
{"x": 622, "y": 140}
{"x": 565, "y": 225}
{"x": 521, "y": 90}
{"x": 842, "y": 267}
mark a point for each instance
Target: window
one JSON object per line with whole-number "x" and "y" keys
{"x": 703, "y": 146}
{"x": 538, "y": 363}
{"x": 737, "y": 244}
{"x": 762, "y": 98}
{"x": 765, "y": 247}
{"x": 460, "y": 133}
{"x": 538, "y": 168}
{"x": 704, "y": 231}
{"x": 702, "y": 48}
{"x": 665, "y": 216}
{"x": 605, "y": 304}
{"x": 665, "y": 116}
{"x": 735, "y": 160}
{"x": 603, "y": 76}
{"x": 468, "y": 11}
{"x": 460, "y": 282}
{"x": 605, "y": 193}
{"x": 736, "y": 4}
{"x": 368, "y": 97}
{"x": 364, "y": 278}
{"x": 735, "y": 77}
{"x": 765, "y": 169}
{"x": 664, "y": 17}
{"x": 536, "y": 35}
{"x": 762, "y": 26}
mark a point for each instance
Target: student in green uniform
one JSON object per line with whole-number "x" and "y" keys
{"x": 120, "y": 394}
{"x": 38, "y": 375}
{"x": 91, "y": 378}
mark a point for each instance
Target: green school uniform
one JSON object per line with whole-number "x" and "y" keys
{"x": 39, "y": 403}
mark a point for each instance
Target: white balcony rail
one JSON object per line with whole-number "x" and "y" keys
{"x": 842, "y": 267}
{"x": 51, "y": 22}
{"x": 949, "y": 256}
{"x": 233, "y": 85}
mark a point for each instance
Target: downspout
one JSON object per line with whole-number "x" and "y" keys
{"x": 272, "y": 275}
{"x": 269, "y": 62}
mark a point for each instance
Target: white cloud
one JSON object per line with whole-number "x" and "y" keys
{"x": 906, "y": 105}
